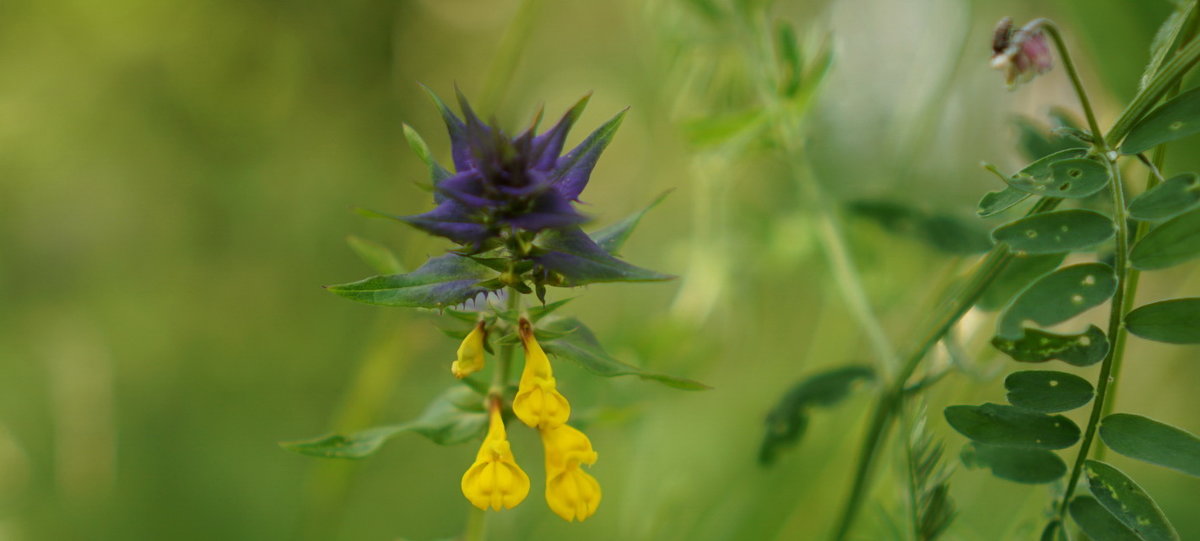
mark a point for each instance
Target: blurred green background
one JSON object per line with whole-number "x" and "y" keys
{"x": 176, "y": 180}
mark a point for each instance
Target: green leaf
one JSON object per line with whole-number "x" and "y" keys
{"x": 788, "y": 419}
{"x": 1057, "y": 297}
{"x": 1021, "y": 270}
{"x": 994, "y": 203}
{"x": 1035, "y": 177}
{"x": 436, "y": 172}
{"x": 1173, "y": 197}
{"x": 1122, "y": 497}
{"x": 1084, "y": 349}
{"x": 1072, "y": 178}
{"x": 1173, "y": 120}
{"x": 578, "y": 344}
{"x": 1017, "y": 464}
{"x": 996, "y": 424}
{"x": 1097, "y": 522}
{"x": 947, "y": 233}
{"x": 580, "y": 261}
{"x": 611, "y": 238}
{"x": 378, "y": 256}
{"x": 1053, "y": 532}
{"x": 441, "y": 282}
{"x": 1151, "y": 441}
{"x": 455, "y": 416}
{"x": 1035, "y": 142}
{"x": 1173, "y": 242}
{"x": 1176, "y": 321}
{"x": 714, "y": 130}
{"x": 1047, "y": 391}
{"x": 1166, "y": 36}
{"x": 1056, "y": 232}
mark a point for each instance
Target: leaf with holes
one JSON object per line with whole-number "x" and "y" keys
{"x": 1017, "y": 464}
{"x": 1057, "y": 297}
{"x": 1084, "y": 349}
{"x": 1173, "y": 197}
{"x": 1128, "y": 502}
{"x": 1073, "y": 178}
{"x": 1171, "y": 243}
{"x": 994, "y": 203}
{"x": 1175, "y": 321}
{"x": 1151, "y": 441}
{"x": 1021, "y": 270}
{"x": 1047, "y": 391}
{"x": 997, "y": 424}
{"x": 1173, "y": 120}
{"x": 1056, "y": 232}
{"x": 1097, "y": 522}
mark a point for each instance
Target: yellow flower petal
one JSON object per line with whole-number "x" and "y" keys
{"x": 571, "y": 493}
{"x": 538, "y": 402}
{"x": 495, "y": 480}
{"x": 470, "y": 353}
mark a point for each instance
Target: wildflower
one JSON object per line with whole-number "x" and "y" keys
{"x": 470, "y": 353}
{"x": 1020, "y": 54}
{"x": 538, "y": 402}
{"x": 495, "y": 480}
{"x": 503, "y": 183}
{"x": 570, "y": 492}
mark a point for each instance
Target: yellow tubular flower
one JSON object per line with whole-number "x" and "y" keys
{"x": 571, "y": 493}
{"x": 538, "y": 402}
{"x": 470, "y": 353}
{"x": 495, "y": 480}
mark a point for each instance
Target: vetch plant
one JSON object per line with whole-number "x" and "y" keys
{"x": 509, "y": 206}
{"x": 1111, "y": 241}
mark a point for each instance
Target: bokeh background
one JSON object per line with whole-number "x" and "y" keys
{"x": 177, "y": 179}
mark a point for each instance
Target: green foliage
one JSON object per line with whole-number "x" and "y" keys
{"x": 1057, "y": 297}
{"x": 1171, "y": 198}
{"x": 929, "y": 488}
{"x": 1175, "y": 321}
{"x": 577, "y": 343}
{"x": 945, "y": 232}
{"x": 1173, "y": 120}
{"x": 1017, "y": 464}
{"x": 418, "y": 145}
{"x": 1045, "y": 178}
{"x": 1010, "y": 426}
{"x": 376, "y": 255}
{"x": 455, "y": 416}
{"x": 1021, "y": 271}
{"x": 571, "y": 252}
{"x": 1036, "y": 143}
{"x": 443, "y": 281}
{"x": 1097, "y": 522}
{"x": 1151, "y": 441}
{"x": 1171, "y": 243}
{"x": 1128, "y": 503}
{"x": 994, "y": 203}
{"x": 1056, "y": 232}
{"x": 1036, "y": 346}
{"x": 613, "y": 237}
{"x": 1047, "y": 391}
{"x": 788, "y": 419}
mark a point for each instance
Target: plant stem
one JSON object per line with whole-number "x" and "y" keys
{"x": 476, "y": 525}
{"x": 1115, "y": 318}
{"x": 1069, "y": 65}
{"x": 890, "y": 400}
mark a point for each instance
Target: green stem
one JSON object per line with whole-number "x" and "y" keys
{"x": 476, "y": 529}
{"x": 1115, "y": 317}
{"x": 508, "y": 55}
{"x": 884, "y": 412}
{"x": 1049, "y": 27}
{"x": 476, "y": 525}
